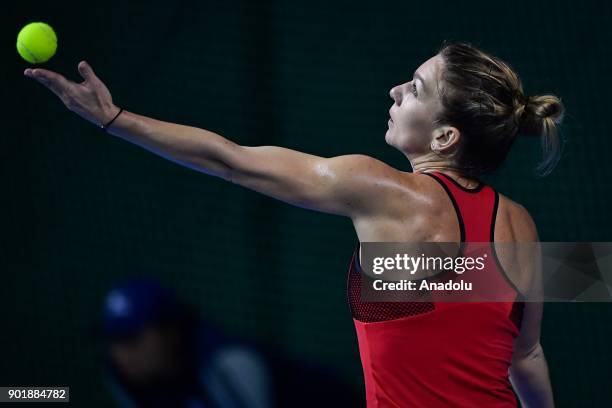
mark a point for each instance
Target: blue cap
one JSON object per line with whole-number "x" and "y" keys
{"x": 136, "y": 304}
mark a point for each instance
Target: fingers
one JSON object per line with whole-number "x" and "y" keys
{"x": 52, "y": 80}
{"x": 86, "y": 71}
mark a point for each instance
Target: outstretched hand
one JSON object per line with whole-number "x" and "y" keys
{"x": 89, "y": 99}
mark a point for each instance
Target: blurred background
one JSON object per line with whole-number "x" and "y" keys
{"x": 82, "y": 210}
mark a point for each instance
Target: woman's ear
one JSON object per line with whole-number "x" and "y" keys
{"x": 445, "y": 140}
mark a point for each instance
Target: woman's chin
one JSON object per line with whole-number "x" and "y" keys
{"x": 388, "y": 136}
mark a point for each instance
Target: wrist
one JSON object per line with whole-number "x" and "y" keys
{"x": 108, "y": 113}
{"x": 110, "y": 117}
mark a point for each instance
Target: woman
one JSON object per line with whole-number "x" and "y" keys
{"x": 455, "y": 120}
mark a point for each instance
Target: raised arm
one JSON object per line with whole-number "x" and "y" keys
{"x": 344, "y": 185}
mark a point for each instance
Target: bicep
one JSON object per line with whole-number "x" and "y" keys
{"x": 338, "y": 185}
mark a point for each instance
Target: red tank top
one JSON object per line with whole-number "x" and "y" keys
{"x": 443, "y": 354}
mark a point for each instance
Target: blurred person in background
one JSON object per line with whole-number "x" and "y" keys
{"x": 161, "y": 353}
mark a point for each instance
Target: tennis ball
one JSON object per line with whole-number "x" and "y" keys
{"x": 36, "y": 42}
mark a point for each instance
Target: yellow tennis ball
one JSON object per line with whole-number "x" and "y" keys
{"x": 36, "y": 42}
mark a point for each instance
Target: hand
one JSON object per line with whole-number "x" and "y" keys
{"x": 89, "y": 99}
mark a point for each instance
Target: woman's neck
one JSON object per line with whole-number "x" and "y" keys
{"x": 431, "y": 162}
{"x": 427, "y": 163}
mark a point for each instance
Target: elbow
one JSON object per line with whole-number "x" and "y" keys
{"x": 526, "y": 360}
{"x": 233, "y": 164}
{"x": 225, "y": 164}
{"x": 532, "y": 353}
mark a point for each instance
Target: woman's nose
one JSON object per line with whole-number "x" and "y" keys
{"x": 396, "y": 95}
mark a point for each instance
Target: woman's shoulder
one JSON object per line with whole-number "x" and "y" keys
{"x": 369, "y": 171}
{"x": 514, "y": 222}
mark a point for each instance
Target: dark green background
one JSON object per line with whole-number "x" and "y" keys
{"x": 82, "y": 209}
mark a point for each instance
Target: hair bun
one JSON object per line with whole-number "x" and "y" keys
{"x": 537, "y": 113}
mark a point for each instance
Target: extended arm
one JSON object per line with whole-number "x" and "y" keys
{"x": 343, "y": 185}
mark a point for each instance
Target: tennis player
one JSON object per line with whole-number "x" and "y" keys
{"x": 455, "y": 120}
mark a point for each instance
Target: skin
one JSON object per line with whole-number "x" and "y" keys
{"x": 384, "y": 204}
{"x": 151, "y": 355}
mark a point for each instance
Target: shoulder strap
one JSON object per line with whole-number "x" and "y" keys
{"x": 476, "y": 208}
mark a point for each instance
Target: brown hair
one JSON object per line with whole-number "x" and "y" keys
{"x": 483, "y": 97}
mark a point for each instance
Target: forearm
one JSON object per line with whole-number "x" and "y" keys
{"x": 531, "y": 381}
{"x": 196, "y": 148}
{"x": 189, "y": 146}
